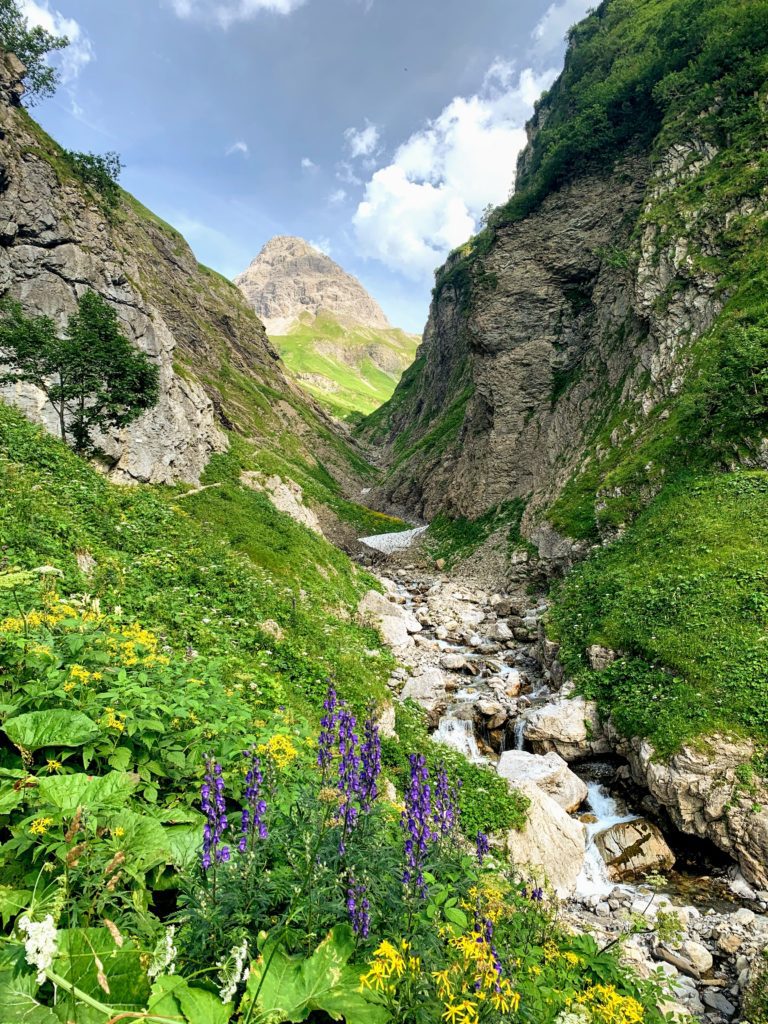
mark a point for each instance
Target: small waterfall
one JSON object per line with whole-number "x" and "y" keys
{"x": 519, "y": 734}
{"x": 458, "y": 733}
{"x": 593, "y": 879}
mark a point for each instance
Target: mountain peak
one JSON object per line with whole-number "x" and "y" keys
{"x": 290, "y": 277}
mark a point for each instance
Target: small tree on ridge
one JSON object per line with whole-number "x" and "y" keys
{"x": 92, "y": 375}
{"x": 30, "y": 45}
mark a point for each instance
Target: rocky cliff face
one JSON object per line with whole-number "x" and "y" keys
{"x": 216, "y": 364}
{"x": 564, "y": 333}
{"x": 290, "y": 277}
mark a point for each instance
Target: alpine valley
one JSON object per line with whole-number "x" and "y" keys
{"x": 349, "y": 678}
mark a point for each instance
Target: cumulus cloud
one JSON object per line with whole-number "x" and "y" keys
{"x": 430, "y": 198}
{"x": 550, "y": 31}
{"x": 238, "y": 147}
{"x": 227, "y": 12}
{"x": 307, "y": 164}
{"x": 73, "y": 59}
{"x": 337, "y": 197}
{"x": 362, "y": 142}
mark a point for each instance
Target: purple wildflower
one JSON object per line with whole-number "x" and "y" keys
{"x": 486, "y": 931}
{"x": 537, "y": 894}
{"x": 445, "y": 810}
{"x": 327, "y": 735}
{"x": 358, "y": 908}
{"x": 215, "y": 809}
{"x": 416, "y": 822}
{"x": 483, "y": 846}
{"x": 252, "y": 818}
{"x": 370, "y": 757}
{"x": 349, "y": 773}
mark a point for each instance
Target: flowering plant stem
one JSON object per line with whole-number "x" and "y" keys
{"x": 108, "y": 1011}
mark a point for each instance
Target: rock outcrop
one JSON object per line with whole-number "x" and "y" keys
{"x": 551, "y": 846}
{"x": 703, "y": 794}
{"x": 548, "y": 771}
{"x": 290, "y": 277}
{"x": 632, "y": 849}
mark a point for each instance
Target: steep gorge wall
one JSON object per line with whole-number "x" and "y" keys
{"x": 563, "y": 334}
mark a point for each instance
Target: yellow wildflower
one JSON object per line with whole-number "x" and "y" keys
{"x": 115, "y": 719}
{"x": 280, "y": 749}
{"x": 52, "y": 765}
{"x": 40, "y": 826}
{"x": 69, "y": 687}
{"x": 118, "y": 832}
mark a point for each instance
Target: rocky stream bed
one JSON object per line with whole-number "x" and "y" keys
{"x": 479, "y": 665}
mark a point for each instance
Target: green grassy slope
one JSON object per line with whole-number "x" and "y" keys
{"x": 253, "y": 614}
{"x": 350, "y": 369}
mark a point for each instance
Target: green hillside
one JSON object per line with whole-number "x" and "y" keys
{"x": 348, "y": 368}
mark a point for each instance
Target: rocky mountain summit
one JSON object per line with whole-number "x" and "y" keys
{"x": 290, "y": 277}
{"x": 333, "y": 336}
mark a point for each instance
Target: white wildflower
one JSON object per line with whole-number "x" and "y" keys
{"x": 164, "y": 957}
{"x": 233, "y": 970}
{"x": 40, "y": 943}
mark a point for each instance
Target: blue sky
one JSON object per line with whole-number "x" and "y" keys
{"x": 376, "y": 129}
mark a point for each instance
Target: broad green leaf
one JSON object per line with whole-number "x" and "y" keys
{"x": 96, "y": 793}
{"x": 120, "y": 759}
{"x": 201, "y": 1007}
{"x": 12, "y": 902}
{"x": 456, "y": 916}
{"x": 56, "y": 728}
{"x": 126, "y": 978}
{"x": 144, "y": 837}
{"x": 18, "y": 1004}
{"x": 171, "y": 997}
{"x": 10, "y": 799}
{"x": 297, "y": 986}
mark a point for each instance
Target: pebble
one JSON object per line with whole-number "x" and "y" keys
{"x": 718, "y": 1002}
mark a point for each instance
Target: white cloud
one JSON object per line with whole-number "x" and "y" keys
{"x": 307, "y": 164}
{"x": 322, "y": 244}
{"x": 227, "y": 12}
{"x": 337, "y": 197}
{"x": 429, "y": 199}
{"x": 550, "y": 31}
{"x": 238, "y": 147}
{"x": 345, "y": 172}
{"x": 362, "y": 142}
{"x": 71, "y": 60}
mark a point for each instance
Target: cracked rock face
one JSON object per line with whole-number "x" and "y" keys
{"x": 57, "y": 244}
{"x": 700, "y": 789}
{"x": 290, "y": 277}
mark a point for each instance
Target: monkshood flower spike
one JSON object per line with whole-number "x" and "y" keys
{"x": 358, "y": 908}
{"x": 252, "y": 819}
{"x": 446, "y": 808}
{"x": 370, "y": 762}
{"x": 349, "y": 774}
{"x": 416, "y": 822}
{"x": 214, "y": 808}
{"x": 326, "y": 739}
{"x": 482, "y": 846}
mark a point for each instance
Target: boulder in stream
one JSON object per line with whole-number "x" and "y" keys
{"x": 551, "y": 846}
{"x": 547, "y": 771}
{"x": 633, "y": 848}
{"x": 569, "y": 725}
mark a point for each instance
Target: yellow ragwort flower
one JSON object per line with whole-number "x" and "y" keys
{"x": 40, "y": 826}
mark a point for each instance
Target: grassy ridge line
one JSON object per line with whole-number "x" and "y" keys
{"x": 355, "y": 384}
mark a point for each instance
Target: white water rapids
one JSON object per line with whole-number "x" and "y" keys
{"x": 593, "y": 879}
